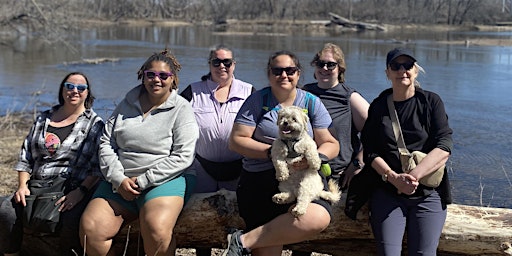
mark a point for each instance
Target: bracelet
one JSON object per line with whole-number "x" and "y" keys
{"x": 385, "y": 175}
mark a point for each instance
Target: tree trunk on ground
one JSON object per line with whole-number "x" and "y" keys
{"x": 209, "y": 217}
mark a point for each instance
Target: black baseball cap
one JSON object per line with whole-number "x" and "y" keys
{"x": 395, "y": 53}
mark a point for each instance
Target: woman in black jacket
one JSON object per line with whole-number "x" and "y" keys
{"x": 399, "y": 202}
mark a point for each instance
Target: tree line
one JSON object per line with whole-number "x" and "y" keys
{"x": 48, "y": 15}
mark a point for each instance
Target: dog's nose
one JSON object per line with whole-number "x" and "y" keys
{"x": 285, "y": 123}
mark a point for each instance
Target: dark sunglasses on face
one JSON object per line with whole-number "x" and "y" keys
{"x": 330, "y": 65}
{"x": 395, "y": 66}
{"x": 153, "y": 74}
{"x": 279, "y": 71}
{"x": 216, "y": 62}
{"x": 71, "y": 86}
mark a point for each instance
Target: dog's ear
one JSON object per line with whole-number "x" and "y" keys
{"x": 279, "y": 116}
{"x": 305, "y": 119}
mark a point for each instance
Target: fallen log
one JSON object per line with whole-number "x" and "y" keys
{"x": 209, "y": 217}
{"x": 342, "y": 21}
{"x": 94, "y": 61}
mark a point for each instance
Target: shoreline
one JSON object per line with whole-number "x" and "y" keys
{"x": 237, "y": 27}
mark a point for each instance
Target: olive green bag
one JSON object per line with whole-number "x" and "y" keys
{"x": 410, "y": 160}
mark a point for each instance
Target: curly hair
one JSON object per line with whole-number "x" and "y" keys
{"x": 164, "y": 56}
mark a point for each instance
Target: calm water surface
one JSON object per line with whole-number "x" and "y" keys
{"x": 474, "y": 81}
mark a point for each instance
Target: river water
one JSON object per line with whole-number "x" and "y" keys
{"x": 474, "y": 81}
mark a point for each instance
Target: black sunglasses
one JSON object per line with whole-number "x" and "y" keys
{"x": 72, "y": 86}
{"x": 216, "y": 62}
{"x": 395, "y": 66}
{"x": 330, "y": 65}
{"x": 279, "y": 71}
{"x": 162, "y": 75}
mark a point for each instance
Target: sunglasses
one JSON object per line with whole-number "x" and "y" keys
{"x": 216, "y": 62}
{"x": 153, "y": 74}
{"x": 395, "y": 66}
{"x": 330, "y": 65}
{"x": 279, "y": 71}
{"x": 72, "y": 86}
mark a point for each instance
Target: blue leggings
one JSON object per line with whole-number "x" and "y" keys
{"x": 391, "y": 215}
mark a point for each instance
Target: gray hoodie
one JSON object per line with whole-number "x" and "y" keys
{"x": 156, "y": 149}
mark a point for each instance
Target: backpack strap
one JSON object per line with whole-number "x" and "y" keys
{"x": 266, "y": 97}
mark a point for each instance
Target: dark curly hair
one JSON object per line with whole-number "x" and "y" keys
{"x": 90, "y": 97}
{"x": 164, "y": 56}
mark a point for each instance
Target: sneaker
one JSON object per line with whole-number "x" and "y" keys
{"x": 235, "y": 247}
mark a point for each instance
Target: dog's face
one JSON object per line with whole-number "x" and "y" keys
{"x": 292, "y": 122}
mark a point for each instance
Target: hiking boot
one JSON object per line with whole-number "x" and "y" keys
{"x": 235, "y": 247}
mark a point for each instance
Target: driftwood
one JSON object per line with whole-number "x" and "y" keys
{"x": 209, "y": 217}
{"x": 95, "y": 61}
{"x": 342, "y": 21}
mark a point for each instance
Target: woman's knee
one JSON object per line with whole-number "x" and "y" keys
{"x": 99, "y": 221}
{"x": 316, "y": 219}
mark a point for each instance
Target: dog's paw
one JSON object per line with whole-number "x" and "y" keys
{"x": 298, "y": 211}
{"x": 283, "y": 198}
{"x": 278, "y": 198}
{"x": 282, "y": 174}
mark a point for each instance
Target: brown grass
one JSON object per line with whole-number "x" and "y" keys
{"x": 13, "y": 129}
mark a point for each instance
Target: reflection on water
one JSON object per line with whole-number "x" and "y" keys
{"x": 473, "y": 81}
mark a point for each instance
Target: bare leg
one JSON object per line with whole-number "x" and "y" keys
{"x": 286, "y": 229}
{"x": 157, "y": 220}
{"x": 100, "y": 222}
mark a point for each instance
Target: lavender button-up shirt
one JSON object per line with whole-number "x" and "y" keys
{"x": 215, "y": 120}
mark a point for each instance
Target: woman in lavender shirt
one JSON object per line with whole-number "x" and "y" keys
{"x": 216, "y": 100}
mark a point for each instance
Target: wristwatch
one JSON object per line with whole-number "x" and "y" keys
{"x": 357, "y": 163}
{"x": 385, "y": 175}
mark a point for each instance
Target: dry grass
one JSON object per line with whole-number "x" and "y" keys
{"x": 13, "y": 129}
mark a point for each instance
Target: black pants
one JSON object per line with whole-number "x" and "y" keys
{"x": 69, "y": 239}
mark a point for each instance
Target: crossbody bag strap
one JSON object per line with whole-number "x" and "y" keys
{"x": 397, "y": 130}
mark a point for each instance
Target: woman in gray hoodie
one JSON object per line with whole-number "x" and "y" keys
{"x": 147, "y": 143}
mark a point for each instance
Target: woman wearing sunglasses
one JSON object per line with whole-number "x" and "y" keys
{"x": 215, "y": 100}
{"x": 148, "y": 142}
{"x": 348, "y": 110}
{"x": 63, "y": 142}
{"x": 269, "y": 226}
{"x": 399, "y": 203}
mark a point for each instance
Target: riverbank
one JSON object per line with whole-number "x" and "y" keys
{"x": 322, "y": 27}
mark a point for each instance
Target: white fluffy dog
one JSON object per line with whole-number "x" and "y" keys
{"x": 294, "y": 144}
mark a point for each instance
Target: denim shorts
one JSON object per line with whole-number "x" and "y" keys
{"x": 174, "y": 187}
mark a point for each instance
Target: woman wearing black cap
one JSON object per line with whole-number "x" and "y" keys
{"x": 400, "y": 202}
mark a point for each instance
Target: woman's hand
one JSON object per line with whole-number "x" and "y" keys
{"x": 405, "y": 183}
{"x": 129, "y": 189}
{"x": 20, "y": 194}
{"x": 69, "y": 201}
{"x": 350, "y": 172}
{"x": 299, "y": 165}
